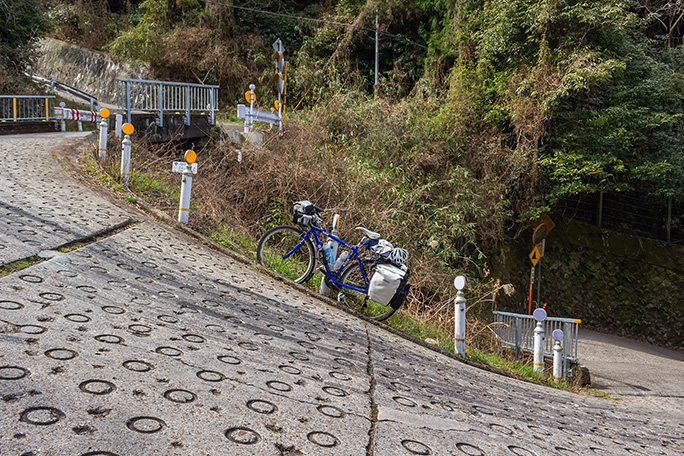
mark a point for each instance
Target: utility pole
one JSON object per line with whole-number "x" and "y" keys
{"x": 377, "y": 52}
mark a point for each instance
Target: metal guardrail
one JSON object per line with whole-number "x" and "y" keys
{"x": 163, "y": 97}
{"x": 26, "y": 107}
{"x": 517, "y": 331}
{"x": 56, "y": 85}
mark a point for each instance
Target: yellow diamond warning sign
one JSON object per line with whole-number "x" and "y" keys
{"x": 535, "y": 256}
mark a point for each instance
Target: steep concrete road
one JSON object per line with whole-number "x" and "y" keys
{"x": 41, "y": 206}
{"x": 636, "y": 373}
{"x": 147, "y": 342}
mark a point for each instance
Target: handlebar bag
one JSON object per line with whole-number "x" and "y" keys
{"x": 302, "y": 213}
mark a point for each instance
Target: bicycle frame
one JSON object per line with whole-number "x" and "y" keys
{"x": 332, "y": 276}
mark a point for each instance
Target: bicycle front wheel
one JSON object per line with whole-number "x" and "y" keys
{"x": 358, "y": 300}
{"x": 284, "y": 250}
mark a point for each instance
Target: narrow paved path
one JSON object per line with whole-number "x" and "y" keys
{"x": 147, "y": 342}
{"x": 634, "y": 372}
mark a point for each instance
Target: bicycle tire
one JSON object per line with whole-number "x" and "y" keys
{"x": 279, "y": 241}
{"x": 359, "y": 300}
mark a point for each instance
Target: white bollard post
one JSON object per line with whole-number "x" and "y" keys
{"x": 459, "y": 317}
{"x": 104, "y": 113}
{"x": 126, "y": 154}
{"x": 557, "y": 371}
{"x": 125, "y": 160}
{"x": 186, "y": 187}
{"x": 540, "y": 316}
{"x": 557, "y": 355}
{"x": 80, "y": 126}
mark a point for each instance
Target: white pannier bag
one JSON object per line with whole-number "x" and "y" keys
{"x": 385, "y": 282}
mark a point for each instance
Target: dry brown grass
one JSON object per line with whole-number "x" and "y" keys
{"x": 310, "y": 163}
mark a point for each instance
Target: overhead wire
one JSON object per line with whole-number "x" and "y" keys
{"x": 311, "y": 19}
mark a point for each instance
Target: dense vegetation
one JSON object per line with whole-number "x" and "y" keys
{"x": 21, "y": 23}
{"x": 489, "y": 110}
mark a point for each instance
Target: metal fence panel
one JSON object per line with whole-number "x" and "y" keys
{"x": 163, "y": 97}
{"x": 26, "y": 107}
{"x": 635, "y": 213}
{"x": 517, "y": 332}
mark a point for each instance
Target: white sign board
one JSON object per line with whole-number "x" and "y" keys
{"x": 259, "y": 115}
{"x": 179, "y": 167}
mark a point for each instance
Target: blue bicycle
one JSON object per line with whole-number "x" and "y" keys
{"x": 369, "y": 275}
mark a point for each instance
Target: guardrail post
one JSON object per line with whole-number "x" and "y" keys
{"x": 518, "y": 332}
{"x": 187, "y": 105}
{"x": 126, "y": 153}
{"x": 566, "y": 330}
{"x": 118, "y": 125}
{"x": 128, "y": 101}
{"x": 459, "y": 317}
{"x": 160, "y": 105}
{"x": 211, "y": 106}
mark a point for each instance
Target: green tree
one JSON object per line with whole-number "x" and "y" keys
{"x": 21, "y": 23}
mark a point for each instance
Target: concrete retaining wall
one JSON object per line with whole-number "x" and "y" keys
{"x": 92, "y": 72}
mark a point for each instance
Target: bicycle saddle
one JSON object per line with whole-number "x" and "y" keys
{"x": 368, "y": 233}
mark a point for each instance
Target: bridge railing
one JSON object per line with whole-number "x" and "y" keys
{"x": 26, "y": 107}
{"x": 166, "y": 97}
{"x": 516, "y": 331}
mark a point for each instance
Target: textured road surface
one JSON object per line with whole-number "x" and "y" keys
{"x": 146, "y": 342}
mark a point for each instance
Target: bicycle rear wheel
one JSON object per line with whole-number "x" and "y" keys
{"x": 277, "y": 243}
{"x": 358, "y": 300}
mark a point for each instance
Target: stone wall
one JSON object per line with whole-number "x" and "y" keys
{"x": 614, "y": 282}
{"x": 92, "y": 72}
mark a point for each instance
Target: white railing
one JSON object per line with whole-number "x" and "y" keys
{"x": 56, "y": 85}
{"x": 162, "y": 97}
{"x": 516, "y": 331}
{"x": 15, "y": 108}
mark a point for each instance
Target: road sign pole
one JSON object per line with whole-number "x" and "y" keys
{"x": 186, "y": 187}
{"x": 539, "y": 282}
{"x": 529, "y": 305}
